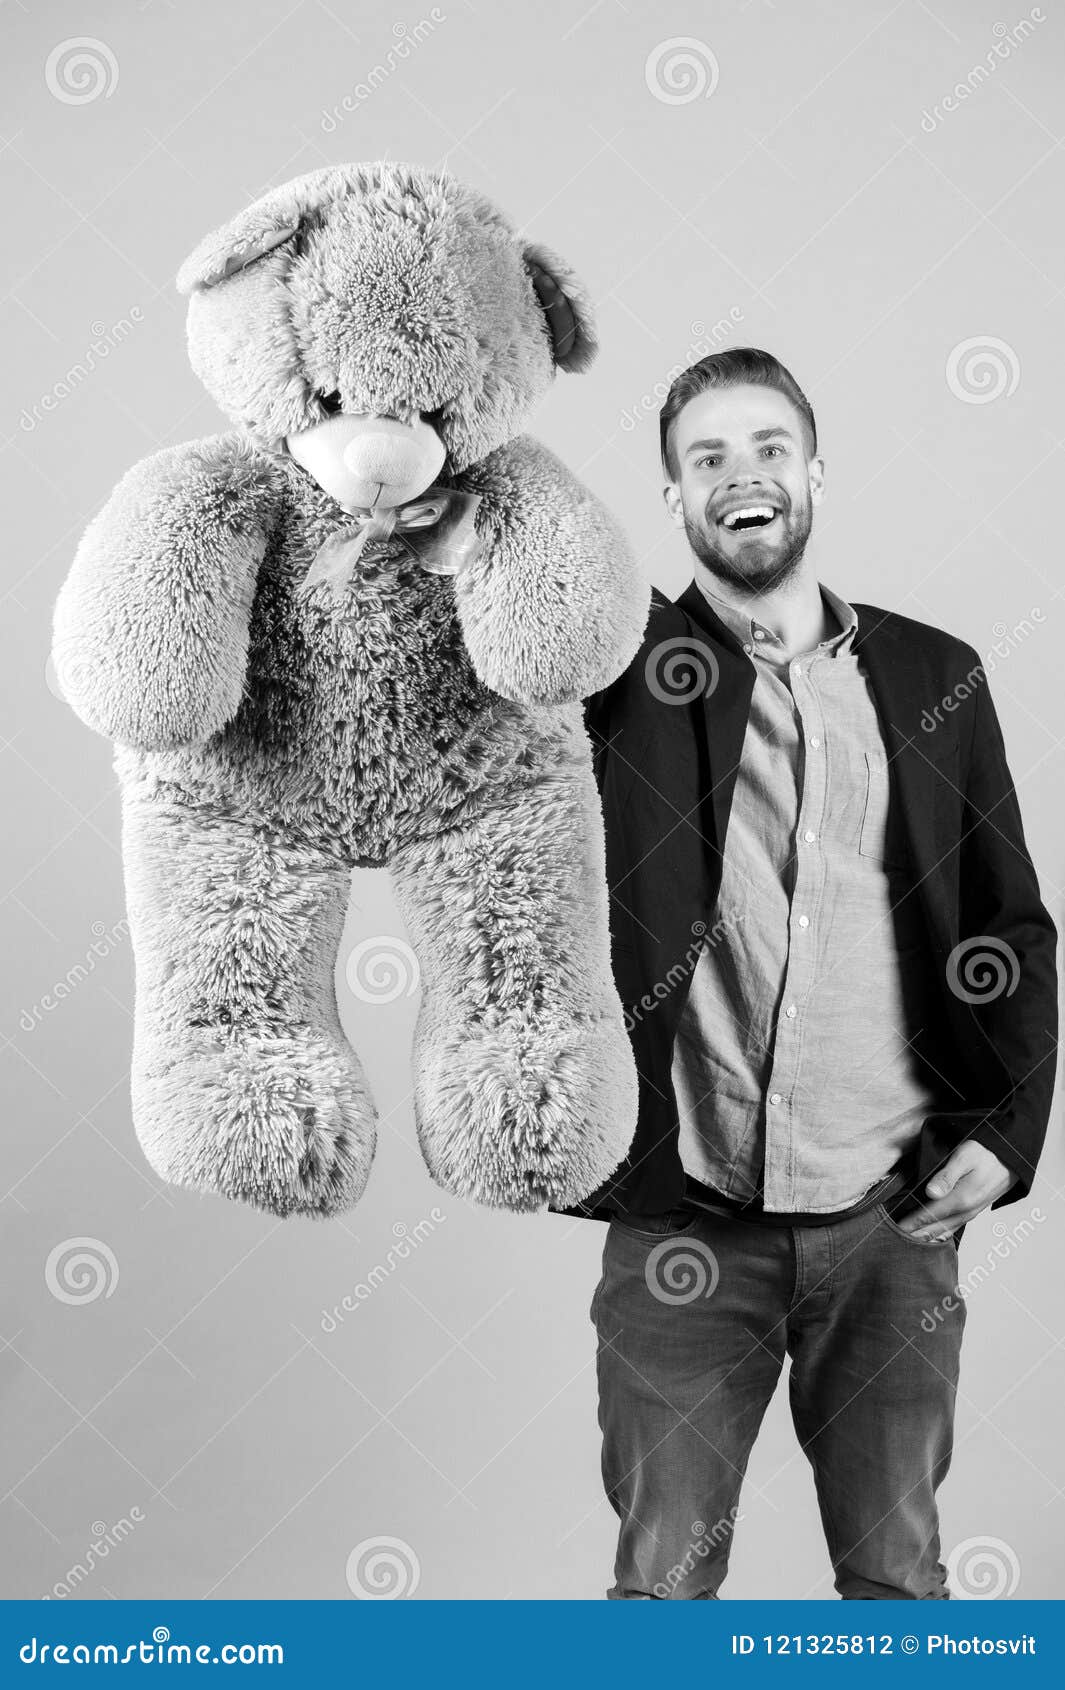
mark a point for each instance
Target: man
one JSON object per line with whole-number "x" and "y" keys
{"x": 839, "y": 981}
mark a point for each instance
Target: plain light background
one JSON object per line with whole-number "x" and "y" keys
{"x": 793, "y": 176}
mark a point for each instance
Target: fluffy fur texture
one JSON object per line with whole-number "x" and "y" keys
{"x": 268, "y": 740}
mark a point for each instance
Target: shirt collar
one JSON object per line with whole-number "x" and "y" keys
{"x": 757, "y": 637}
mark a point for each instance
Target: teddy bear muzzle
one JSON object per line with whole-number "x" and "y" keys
{"x": 370, "y": 462}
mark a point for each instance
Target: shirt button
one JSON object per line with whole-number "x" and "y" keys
{"x": 774, "y": 1097}
{"x": 804, "y": 921}
{"x": 809, "y": 836}
{"x": 796, "y": 668}
{"x": 748, "y": 648}
{"x": 814, "y": 741}
{"x": 791, "y": 1012}
{"x": 759, "y": 633}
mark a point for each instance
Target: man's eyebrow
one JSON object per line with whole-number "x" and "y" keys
{"x": 759, "y": 434}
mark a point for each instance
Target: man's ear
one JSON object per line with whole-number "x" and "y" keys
{"x": 673, "y": 502}
{"x": 566, "y": 307}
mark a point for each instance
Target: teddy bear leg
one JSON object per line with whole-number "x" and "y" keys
{"x": 525, "y": 1080}
{"x": 243, "y": 1082}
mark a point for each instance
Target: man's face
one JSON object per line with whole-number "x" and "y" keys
{"x": 743, "y": 450}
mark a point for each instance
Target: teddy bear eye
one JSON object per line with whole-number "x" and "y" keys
{"x": 331, "y": 404}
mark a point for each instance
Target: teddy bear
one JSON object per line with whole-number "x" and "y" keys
{"x": 355, "y": 630}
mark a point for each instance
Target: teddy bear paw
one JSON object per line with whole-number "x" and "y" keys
{"x": 285, "y": 1123}
{"x": 523, "y": 1118}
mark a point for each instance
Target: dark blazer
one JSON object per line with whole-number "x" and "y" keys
{"x": 666, "y": 771}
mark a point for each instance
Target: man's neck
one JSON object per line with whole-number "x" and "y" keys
{"x": 795, "y": 611}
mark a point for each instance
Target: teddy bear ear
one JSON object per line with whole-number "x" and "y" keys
{"x": 566, "y": 307}
{"x": 231, "y": 249}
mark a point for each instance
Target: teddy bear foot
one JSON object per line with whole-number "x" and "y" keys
{"x": 525, "y": 1118}
{"x": 285, "y": 1123}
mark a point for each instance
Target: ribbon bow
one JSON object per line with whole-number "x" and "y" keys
{"x": 441, "y": 529}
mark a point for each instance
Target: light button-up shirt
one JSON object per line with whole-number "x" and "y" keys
{"x": 793, "y": 1065}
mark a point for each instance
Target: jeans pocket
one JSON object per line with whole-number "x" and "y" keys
{"x": 950, "y": 1243}
{"x": 668, "y": 1224}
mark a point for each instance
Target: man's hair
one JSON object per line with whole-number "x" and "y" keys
{"x": 742, "y": 366}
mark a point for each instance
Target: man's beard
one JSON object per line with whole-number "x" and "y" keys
{"x": 758, "y": 567}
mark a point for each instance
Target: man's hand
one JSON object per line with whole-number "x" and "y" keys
{"x": 970, "y": 1180}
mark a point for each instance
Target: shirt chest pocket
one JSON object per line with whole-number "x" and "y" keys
{"x": 881, "y": 837}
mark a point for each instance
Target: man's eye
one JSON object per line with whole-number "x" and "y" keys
{"x": 331, "y": 404}
{"x": 775, "y": 448}
{"x": 709, "y": 460}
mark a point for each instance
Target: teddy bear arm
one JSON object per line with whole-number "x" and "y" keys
{"x": 555, "y": 606}
{"x": 152, "y": 624}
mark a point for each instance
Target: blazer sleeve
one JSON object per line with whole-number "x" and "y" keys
{"x": 597, "y": 719}
{"x": 1004, "y": 923}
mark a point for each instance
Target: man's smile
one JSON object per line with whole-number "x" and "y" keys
{"x": 756, "y": 516}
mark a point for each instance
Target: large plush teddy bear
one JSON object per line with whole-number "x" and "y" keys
{"x": 355, "y": 631}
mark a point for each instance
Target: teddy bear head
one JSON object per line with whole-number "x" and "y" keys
{"x": 381, "y": 323}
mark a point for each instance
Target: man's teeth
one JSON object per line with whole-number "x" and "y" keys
{"x": 750, "y": 514}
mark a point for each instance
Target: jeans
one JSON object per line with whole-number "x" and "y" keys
{"x": 695, "y": 1314}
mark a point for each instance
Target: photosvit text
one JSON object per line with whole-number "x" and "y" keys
{"x": 869, "y": 1643}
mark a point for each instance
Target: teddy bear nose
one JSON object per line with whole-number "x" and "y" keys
{"x": 387, "y": 458}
